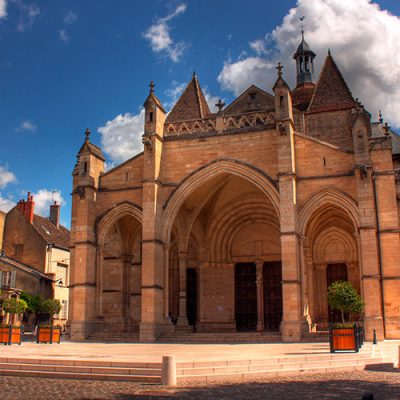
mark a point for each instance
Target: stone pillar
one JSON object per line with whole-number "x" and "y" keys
{"x": 182, "y": 319}
{"x": 260, "y": 296}
{"x": 166, "y": 281}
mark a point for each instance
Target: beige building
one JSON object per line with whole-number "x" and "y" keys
{"x": 42, "y": 245}
{"x": 239, "y": 220}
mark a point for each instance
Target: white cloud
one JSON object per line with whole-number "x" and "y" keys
{"x": 160, "y": 39}
{"x": 6, "y": 176}
{"x": 174, "y": 93}
{"x": 3, "y": 8}
{"x": 6, "y": 204}
{"x": 363, "y": 39}
{"x": 211, "y": 100}
{"x": 27, "y": 15}
{"x": 43, "y": 198}
{"x": 70, "y": 17}
{"x": 64, "y": 35}
{"x": 26, "y": 126}
{"x": 121, "y": 137}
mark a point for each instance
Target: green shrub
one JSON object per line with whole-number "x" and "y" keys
{"x": 343, "y": 297}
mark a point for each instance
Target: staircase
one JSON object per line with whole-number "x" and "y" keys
{"x": 79, "y": 369}
{"x": 245, "y": 370}
{"x": 220, "y": 337}
{"x": 120, "y": 337}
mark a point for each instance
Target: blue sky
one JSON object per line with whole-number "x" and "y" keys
{"x": 68, "y": 65}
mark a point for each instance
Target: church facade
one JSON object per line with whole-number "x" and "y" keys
{"x": 239, "y": 220}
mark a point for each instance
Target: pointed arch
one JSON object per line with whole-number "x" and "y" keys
{"x": 110, "y": 217}
{"x": 200, "y": 176}
{"x": 329, "y": 197}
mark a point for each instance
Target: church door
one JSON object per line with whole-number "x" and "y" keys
{"x": 191, "y": 295}
{"x": 335, "y": 272}
{"x": 273, "y": 309}
{"x": 245, "y": 297}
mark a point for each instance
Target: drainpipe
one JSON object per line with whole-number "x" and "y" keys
{"x": 378, "y": 232}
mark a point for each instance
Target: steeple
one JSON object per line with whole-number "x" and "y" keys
{"x": 304, "y": 57}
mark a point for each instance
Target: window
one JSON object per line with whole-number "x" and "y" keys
{"x": 151, "y": 116}
{"x": 64, "y": 309}
{"x": 7, "y": 279}
{"x": 61, "y": 274}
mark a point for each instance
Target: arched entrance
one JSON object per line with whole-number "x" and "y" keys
{"x": 222, "y": 233}
{"x": 119, "y": 270}
{"x": 329, "y": 225}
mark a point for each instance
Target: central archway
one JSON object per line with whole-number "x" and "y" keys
{"x": 221, "y": 218}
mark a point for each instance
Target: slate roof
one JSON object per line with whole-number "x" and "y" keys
{"x": 59, "y": 237}
{"x": 332, "y": 92}
{"x": 191, "y": 105}
{"x": 303, "y": 47}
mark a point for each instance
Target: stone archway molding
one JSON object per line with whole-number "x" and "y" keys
{"x": 328, "y": 196}
{"x": 110, "y": 217}
{"x": 203, "y": 174}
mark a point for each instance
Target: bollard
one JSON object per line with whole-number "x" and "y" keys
{"x": 374, "y": 340}
{"x": 168, "y": 373}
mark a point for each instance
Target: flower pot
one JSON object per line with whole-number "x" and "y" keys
{"x": 10, "y": 334}
{"x": 345, "y": 338}
{"x": 49, "y": 334}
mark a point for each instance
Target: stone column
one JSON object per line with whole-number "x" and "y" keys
{"x": 99, "y": 279}
{"x": 166, "y": 281}
{"x": 260, "y": 296}
{"x": 182, "y": 319}
{"x": 126, "y": 277}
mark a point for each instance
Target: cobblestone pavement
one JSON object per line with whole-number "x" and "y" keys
{"x": 384, "y": 384}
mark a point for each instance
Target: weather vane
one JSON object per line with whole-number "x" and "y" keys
{"x": 302, "y": 25}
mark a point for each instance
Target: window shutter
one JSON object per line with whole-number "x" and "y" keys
{"x": 1, "y": 279}
{"x": 13, "y": 279}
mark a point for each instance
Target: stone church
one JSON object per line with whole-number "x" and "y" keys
{"x": 239, "y": 220}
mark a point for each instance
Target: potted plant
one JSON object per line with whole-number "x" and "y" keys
{"x": 345, "y": 335}
{"x": 49, "y": 333}
{"x": 11, "y": 332}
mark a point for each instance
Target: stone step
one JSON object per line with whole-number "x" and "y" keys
{"x": 81, "y": 369}
{"x": 294, "y": 370}
{"x": 75, "y": 375}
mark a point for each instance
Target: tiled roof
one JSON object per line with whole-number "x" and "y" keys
{"x": 26, "y": 268}
{"x": 93, "y": 149}
{"x": 252, "y": 99}
{"x": 332, "y": 92}
{"x": 153, "y": 98}
{"x": 191, "y": 105}
{"x": 302, "y": 95}
{"x": 60, "y": 236}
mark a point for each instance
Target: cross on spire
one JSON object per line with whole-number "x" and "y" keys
{"x": 386, "y": 128}
{"x": 151, "y": 86}
{"x": 279, "y": 67}
{"x": 220, "y": 105}
{"x": 87, "y": 134}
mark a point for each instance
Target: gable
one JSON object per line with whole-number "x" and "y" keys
{"x": 252, "y": 99}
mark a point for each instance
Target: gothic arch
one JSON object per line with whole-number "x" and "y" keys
{"x": 329, "y": 197}
{"x": 113, "y": 215}
{"x": 207, "y": 172}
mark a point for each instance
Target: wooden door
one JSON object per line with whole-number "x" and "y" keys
{"x": 335, "y": 272}
{"x": 191, "y": 295}
{"x": 245, "y": 297}
{"x": 273, "y": 308}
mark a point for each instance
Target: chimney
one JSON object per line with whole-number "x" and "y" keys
{"x": 27, "y": 208}
{"x": 55, "y": 214}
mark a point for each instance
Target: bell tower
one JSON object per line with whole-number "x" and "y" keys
{"x": 304, "y": 57}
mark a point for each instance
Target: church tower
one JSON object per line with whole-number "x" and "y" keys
{"x": 304, "y": 57}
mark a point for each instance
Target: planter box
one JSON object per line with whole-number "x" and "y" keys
{"x": 49, "y": 335}
{"x": 346, "y": 339}
{"x": 10, "y": 335}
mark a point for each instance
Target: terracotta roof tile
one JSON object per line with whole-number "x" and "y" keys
{"x": 191, "y": 105}
{"x": 332, "y": 92}
{"x": 60, "y": 236}
{"x": 302, "y": 95}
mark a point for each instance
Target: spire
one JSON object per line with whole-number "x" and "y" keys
{"x": 304, "y": 57}
{"x": 332, "y": 92}
{"x": 191, "y": 105}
